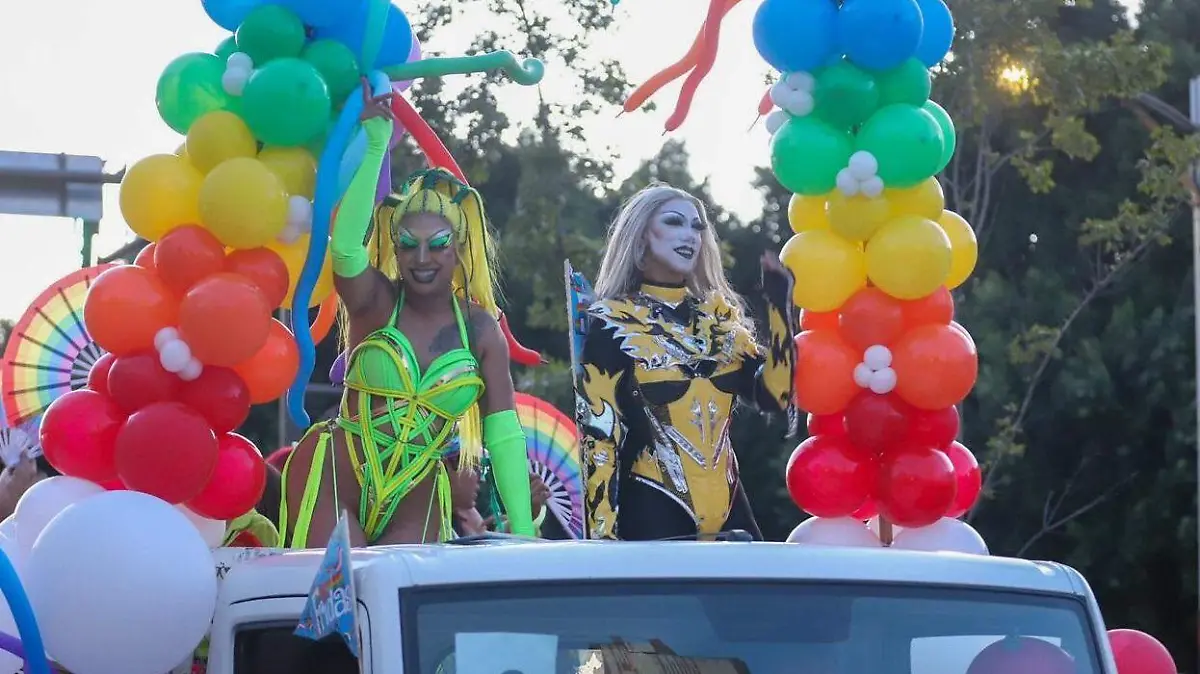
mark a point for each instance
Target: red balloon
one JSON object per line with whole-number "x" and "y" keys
{"x": 114, "y": 484}
{"x": 78, "y": 435}
{"x": 140, "y": 380}
{"x": 826, "y": 477}
{"x": 237, "y": 482}
{"x": 167, "y": 450}
{"x": 875, "y": 422}
{"x": 1139, "y": 653}
{"x": 915, "y": 487}
{"x": 186, "y": 255}
{"x": 871, "y": 317}
{"x": 826, "y": 424}
{"x": 967, "y": 476}
{"x": 98, "y": 375}
{"x": 933, "y": 428}
{"x": 265, "y": 269}
{"x": 224, "y": 319}
{"x": 867, "y": 511}
{"x": 220, "y": 396}
{"x": 1025, "y": 655}
{"x": 145, "y": 257}
{"x": 936, "y": 308}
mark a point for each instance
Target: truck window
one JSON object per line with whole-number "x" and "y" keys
{"x": 273, "y": 649}
{"x": 727, "y": 627}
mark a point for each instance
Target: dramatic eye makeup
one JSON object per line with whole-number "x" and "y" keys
{"x": 441, "y": 240}
{"x": 677, "y": 219}
{"x": 407, "y": 241}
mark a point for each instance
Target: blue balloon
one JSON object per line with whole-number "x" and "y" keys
{"x": 26, "y": 622}
{"x": 796, "y": 35}
{"x": 397, "y": 35}
{"x": 938, "y": 34}
{"x": 879, "y": 34}
{"x": 356, "y": 149}
{"x": 323, "y": 13}
{"x": 324, "y": 199}
{"x": 229, "y": 14}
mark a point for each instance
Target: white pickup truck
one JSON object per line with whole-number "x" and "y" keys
{"x": 521, "y": 607}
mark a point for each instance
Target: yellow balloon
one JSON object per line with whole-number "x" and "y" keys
{"x": 160, "y": 193}
{"x": 243, "y": 203}
{"x": 293, "y": 255}
{"x": 925, "y": 199}
{"x": 217, "y": 137}
{"x": 964, "y": 249}
{"x": 807, "y": 212}
{"x": 295, "y": 166}
{"x": 828, "y": 269}
{"x": 857, "y": 217}
{"x": 908, "y": 258}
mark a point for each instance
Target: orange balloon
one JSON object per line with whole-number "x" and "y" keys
{"x": 187, "y": 254}
{"x": 935, "y": 365}
{"x": 326, "y": 316}
{"x": 269, "y": 372}
{"x": 871, "y": 317}
{"x": 825, "y": 372}
{"x": 818, "y": 320}
{"x": 265, "y": 269}
{"x": 126, "y": 307}
{"x": 145, "y": 257}
{"x": 224, "y": 319}
{"x": 933, "y": 309}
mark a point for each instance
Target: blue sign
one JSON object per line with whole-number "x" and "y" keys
{"x": 331, "y": 604}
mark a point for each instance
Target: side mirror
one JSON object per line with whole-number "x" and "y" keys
{"x": 1139, "y": 653}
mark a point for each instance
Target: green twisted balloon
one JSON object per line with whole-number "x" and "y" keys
{"x": 527, "y": 71}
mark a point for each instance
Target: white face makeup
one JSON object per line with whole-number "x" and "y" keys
{"x": 673, "y": 239}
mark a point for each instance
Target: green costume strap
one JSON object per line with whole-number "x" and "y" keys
{"x": 505, "y": 442}
{"x": 354, "y": 215}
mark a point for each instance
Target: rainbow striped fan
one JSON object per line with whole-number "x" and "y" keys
{"x": 50, "y": 351}
{"x": 552, "y": 441}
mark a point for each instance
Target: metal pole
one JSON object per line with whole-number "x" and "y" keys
{"x": 1194, "y": 110}
{"x": 90, "y": 229}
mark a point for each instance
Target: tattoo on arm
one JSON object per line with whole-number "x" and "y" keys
{"x": 448, "y": 338}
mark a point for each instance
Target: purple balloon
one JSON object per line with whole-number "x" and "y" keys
{"x": 384, "y": 186}
{"x": 11, "y": 644}
{"x": 414, "y": 55}
{"x": 337, "y": 373}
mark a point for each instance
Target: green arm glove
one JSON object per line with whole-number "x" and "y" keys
{"x": 505, "y": 442}
{"x": 354, "y": 215}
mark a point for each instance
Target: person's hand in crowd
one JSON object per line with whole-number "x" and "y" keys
{"x": 14, "y": 481}
{"x": 539, "y": 492}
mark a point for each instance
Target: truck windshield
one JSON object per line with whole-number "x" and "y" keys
{"x": 712, "y": 627}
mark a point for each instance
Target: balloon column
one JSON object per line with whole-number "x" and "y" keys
{"x": 881, "y": 362}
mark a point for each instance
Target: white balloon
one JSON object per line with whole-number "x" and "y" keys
{"x": 289, "y": 235}
{"x": 174, "y": 355}
{"x": 799, "y": 103}
{"x": 877, "y": 357}
{"x": 163, "y": 336}
{"x": 239, "y": 60}
{"x": 300, "y": 214}
{"x": 863, "y": 165}
{"x": 122, "y": 584}
{"x": 234, "y": 81}
{"x": 834, "y": 531}
{"x": 800, "y": 81}
{"x": 46, "y": 499}
{"x": 871, "y": 187}
{"x": 944, "y": 535}
{"x": 846, "y": 183}
{"x": 862, "y": 375}
{"x": 776, "y": 120}
{"x": 192, "y": 371}
{"x": 212, "y": 531}
{"x": 883, "y": 381}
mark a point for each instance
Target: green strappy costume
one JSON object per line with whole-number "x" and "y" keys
{"x": 403, "y": 418}
{"x": 400, "y": 426}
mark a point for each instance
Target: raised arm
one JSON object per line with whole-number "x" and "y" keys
{"x": 768, "y": 378}
{"x": 362, "y": 288}
{"x": 601, "y": 426}
{"x": 502, "y": 433}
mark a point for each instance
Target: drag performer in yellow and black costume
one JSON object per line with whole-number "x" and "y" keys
{"x": 428, "y": 362}
{"x": 668, "y": 352}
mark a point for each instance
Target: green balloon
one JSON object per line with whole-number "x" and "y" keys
{"x": 906, "y": 141}
{"x": 227, "y": 47}
{"x": 806, "y": 155}
{"x": 189, "y": 88}
{"x": 907, "y": 83}
{"x": 270, "y": 32}
{"x": 316, "y": 146}
{"x": 949, "y": 135}
{"x": 845, "y": 95}
{"x": 337, "y": 65}
{"x": 286, "y": 103}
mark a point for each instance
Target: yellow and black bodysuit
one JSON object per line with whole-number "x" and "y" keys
{"x": 661, "y": 373}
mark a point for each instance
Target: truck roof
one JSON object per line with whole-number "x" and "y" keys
{"x": 290, "y": 573}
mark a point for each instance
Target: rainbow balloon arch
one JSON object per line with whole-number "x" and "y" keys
{"x": 135, "y": 377}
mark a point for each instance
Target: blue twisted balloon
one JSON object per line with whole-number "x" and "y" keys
{"x": 22, "y": 612}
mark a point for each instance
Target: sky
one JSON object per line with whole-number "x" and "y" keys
{"x": 78, "y": 77}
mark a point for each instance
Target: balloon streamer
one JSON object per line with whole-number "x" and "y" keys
{"x": 527, "y": 71}
{"x": 27, "y": 627}
{"x": 708, "y": 56}
{"x": 325, "y": 197}
{"x": 11, "y": 644}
